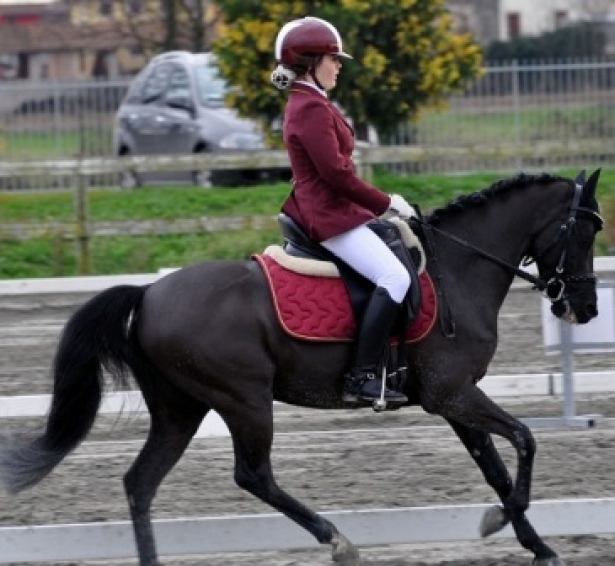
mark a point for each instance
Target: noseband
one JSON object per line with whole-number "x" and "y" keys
{"x": 554, "y": 288}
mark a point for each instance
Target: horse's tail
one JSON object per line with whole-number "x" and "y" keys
{"x": 95, "y": 337}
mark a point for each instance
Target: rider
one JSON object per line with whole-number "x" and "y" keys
{"x": 329, "y": 201}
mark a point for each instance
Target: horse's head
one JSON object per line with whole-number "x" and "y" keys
{"x": 565, "y": 261}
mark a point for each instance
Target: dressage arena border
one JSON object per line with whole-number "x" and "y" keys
{"x": 496, "y": 386}
{"x": 95, "y": 283}
{"x": 269, "y": 532}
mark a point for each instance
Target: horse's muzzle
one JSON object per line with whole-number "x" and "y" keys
{"x": 575, "y": 311}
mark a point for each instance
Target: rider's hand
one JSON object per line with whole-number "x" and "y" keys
{"x": 401, "y": 208}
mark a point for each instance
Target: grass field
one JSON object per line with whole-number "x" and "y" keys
{"x": 55, "y": 256}
{"x": 50, "y": 144}
{"x": 484, "y": 125}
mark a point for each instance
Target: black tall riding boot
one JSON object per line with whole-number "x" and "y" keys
{"x": 363, "y": 384}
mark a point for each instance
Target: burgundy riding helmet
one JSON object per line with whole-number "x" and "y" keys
{"x": 307, "y": 36}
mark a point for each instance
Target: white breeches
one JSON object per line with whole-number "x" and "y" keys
{"x": 368, "y": 255}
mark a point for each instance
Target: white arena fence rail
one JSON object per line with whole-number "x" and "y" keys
{"x": 496, "y": 386}
{"x": 267, "y": 532}
{"x": 604, "y": 266}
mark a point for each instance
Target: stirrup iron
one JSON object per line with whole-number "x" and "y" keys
{"x": 380, "y": 404}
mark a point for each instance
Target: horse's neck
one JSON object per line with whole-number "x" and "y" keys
{"x": 505, "y": 225}
{"x": 501, "y": 227}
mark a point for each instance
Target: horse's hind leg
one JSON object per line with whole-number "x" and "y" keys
{"x": 480, "y": 446}
{"x": 169, "y": 435}
{"x": 251, "y": 426}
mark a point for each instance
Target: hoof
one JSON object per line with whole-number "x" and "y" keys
{"x": 555, "y": 561}
{"x": 494, "y": 520}
{"x": 344, "y": 552}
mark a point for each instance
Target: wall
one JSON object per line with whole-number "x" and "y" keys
{"x": 536, "y": 17}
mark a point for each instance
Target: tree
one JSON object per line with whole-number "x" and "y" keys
{"x": 155, "y": 26}
{"x": 406, "y": 57}
{"x": 168, "y": 25}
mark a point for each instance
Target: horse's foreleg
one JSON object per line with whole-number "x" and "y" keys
{"x": 165, "y": 445}
{"x": 252, "y": 430}
{"x": 480, "y": 446}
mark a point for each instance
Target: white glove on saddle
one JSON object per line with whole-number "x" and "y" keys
{"x": 401, "y": 208}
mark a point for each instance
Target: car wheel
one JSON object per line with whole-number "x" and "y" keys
{"x": 202, "y": 178}
{"x": 128, "y": 179}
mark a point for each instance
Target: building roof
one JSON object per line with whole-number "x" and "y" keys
{"x": 62, "y": 36}
{"x": 58, "y": 36}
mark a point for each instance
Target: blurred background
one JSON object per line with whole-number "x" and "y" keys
{"x": 445, "y": 96}
{"x": 547, "y": 75}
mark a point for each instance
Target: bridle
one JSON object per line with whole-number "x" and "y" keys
{"x": 554, "y": 287}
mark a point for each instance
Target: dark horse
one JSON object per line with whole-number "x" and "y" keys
{"x": 206, "y": 337}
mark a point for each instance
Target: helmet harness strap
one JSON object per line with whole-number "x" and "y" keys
{"x": 312, "y": 73}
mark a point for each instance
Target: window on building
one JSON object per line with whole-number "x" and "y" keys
{"x": 561, "y": 18}
{"x": 105, "y": 8}
{"x": 513, "y": 21}
{"x": 133, "y": 7}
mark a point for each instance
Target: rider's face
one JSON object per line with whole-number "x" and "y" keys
{"x": 327, "y": 71}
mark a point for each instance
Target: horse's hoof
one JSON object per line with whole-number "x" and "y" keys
{"x": 494, "y": 520}
{"x": 344, "y": 552}
{"x": 554, "y": 561}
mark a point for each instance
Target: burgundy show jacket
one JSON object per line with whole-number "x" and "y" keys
{"x": 328, "y": 198}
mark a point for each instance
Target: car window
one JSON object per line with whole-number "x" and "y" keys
{"x": 155, "y": 83}
{"x": 211, "y": 87}
{"x": 179, "y": 84}
{"x": 133, "y": 96}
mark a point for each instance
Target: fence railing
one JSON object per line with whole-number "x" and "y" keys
{"x": 513, "y": 116}
{"x": 365, "y": 158}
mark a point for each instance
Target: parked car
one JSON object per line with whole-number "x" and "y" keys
{"x": 175, "y": 105}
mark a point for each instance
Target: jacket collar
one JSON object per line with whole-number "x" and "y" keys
{"x": 303, "y": 89}
{"x": 306, "y": 89}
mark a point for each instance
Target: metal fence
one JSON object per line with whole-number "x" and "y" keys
{"x": 565, "y": 105}
{"x": 523, "y": 106}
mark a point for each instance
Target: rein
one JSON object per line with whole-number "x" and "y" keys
{"x": 538, "y": 283}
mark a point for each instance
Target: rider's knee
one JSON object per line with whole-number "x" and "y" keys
{"x": 397, "y": 283}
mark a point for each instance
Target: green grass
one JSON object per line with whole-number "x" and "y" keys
{"x": 50, "y": 144}
{"x": 113, "y": 255}
{"x": 505, "y": 126}
{"x": 190, "y": 202}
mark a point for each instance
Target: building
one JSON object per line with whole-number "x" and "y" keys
{"x": 81, "y": 39}
{"x": 504, "y": 20}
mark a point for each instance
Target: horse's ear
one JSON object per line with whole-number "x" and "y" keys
{"x": 590, "y": 186}
{"x": 580, "y": 178}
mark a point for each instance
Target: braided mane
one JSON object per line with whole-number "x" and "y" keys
{"x": 519, "y": 181}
